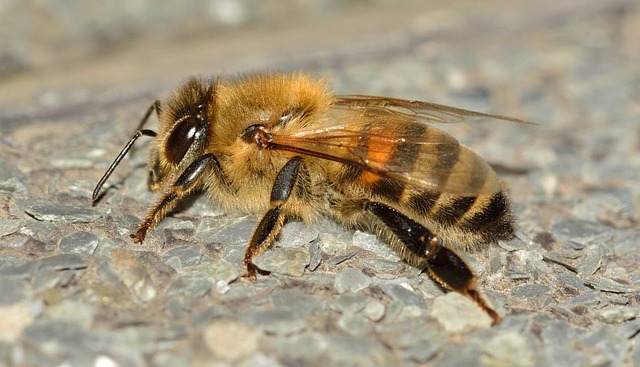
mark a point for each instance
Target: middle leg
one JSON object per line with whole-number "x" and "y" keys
{"x": 273, "y": 220}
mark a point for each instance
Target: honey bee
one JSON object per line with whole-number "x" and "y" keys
{"x": 284, "y": 146}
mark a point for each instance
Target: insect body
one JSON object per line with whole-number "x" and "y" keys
{"x": 283, "y": 146}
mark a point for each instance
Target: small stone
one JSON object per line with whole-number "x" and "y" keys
{"x": 9, "y": 226}
{"x": 373, "y": 244}
{"x": 508, "y": 349}
{"x": 84, "y": 243}
{"x": 187, "y": 255}
{"x": 405, "y": 294}
{"x": 302, "y": 346}
{"x": 617, "y": 314}
{"x": 296, "y": 301}
{"x": 591, "y": 261}
{"x": 349, "y": 303}
{"x": 316, "y": 255}
{"x": 11, "y": 177}
{"x": 374, "y": 310}
{"x": 64, "y": 261}
{"x": 220, "y": 270}
{"x": 279, "y": 322}
{"x": 287, "y": 261}
{"x": 457, "y": 313}
{"x": 230, "y": 340}
{"x": 332, "y": 244}
{"x": 42, "y": 231}
{"x": 355, "y": 324}
{"x": 190, "y": 286}
{"x": 175, "y": 224}
{"x": 63, "y": 213}
{"x": 333, "y": 261}
{"x": 227, "y": 230}
{"x": 351, "y": 280}
{"x": 579, "y": 232}
{"x": 134, "y": 273}
{"x": 296, "y": 234}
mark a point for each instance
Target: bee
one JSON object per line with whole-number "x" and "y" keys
{"x": 284, "y": 146}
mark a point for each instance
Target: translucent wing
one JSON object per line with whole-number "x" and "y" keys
{"x": 426, "y": 111}
{"x": 382, "y": 143}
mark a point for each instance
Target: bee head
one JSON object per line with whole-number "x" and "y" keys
{"x": 184, "y": 130}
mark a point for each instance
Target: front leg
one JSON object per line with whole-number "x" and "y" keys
{"x": 273, "y": 220}
{"x": 444, "y": 265}
{"x": 182, "y": 187}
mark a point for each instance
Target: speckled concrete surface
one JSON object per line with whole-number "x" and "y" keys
{"x": 76, "y": 291}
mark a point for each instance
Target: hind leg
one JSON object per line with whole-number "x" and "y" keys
{"x": 416, "y": 240}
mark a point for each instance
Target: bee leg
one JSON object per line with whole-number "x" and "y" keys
{"x": 444, "y": 265}
{"x": 182, "y": 187}
{"x": 273, "y": 220}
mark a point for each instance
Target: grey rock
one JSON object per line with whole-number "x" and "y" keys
{"x": 63, "y": 213}
{"x": 83, "y": 243}
{"x": 13, "y": 291}
{"x": 316, "y": 255}
{"x": 374, "y": 310}
{"x": 16, "y": 267}
{"x": 186, "y": 255}
{"x": 335, "y": 260}
{"x": 42, "y": 231}
{"x": 457, "y": 313}
{"x": 353, "y": 350}
{"x": 279, "y": 322}
{"x": 351, "y": 280}
{"x": 579, "y": 232}
{"x": 617, "y": 314}
{"x": 295, "y": 234}
{"x": 298, "y": 302}
{"x": 591, "y": 261}
{"x": 349, "y": 303}
{"x": 11, "y": 177}
{"x": 9, "y": 226}
{"x": 305, "y": 346}
{"x": 373, "y": 244}
{"x": 64, "y": 262}
{"x": 508, "y": 349}
{"x": 190, "y": 286}
{"x": 354, "y": 324}
{"x": 287, "y": 261}
{"x": 402, "y": 294}
{"x": 227, "y": 230}
{"x": 175, "y": 224}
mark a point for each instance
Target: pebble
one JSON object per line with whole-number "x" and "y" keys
{"x": 230, "y": 340}
{"x": 351, "y": 280}
{"x": 63, "y": 213}
{"x": 278, "y": 322}
{"x": 296, "y": 301}
{"x": 296, "y": 234}
{"x": 190, "y": 286}
{"x": 458, "y": 314}
{"x": 287, "y": 261}
{"x": 84, "y": 243}
{"x": 9, "y": 226}
{"x": 375, "y": 245}
{"x": 186, "y": 255}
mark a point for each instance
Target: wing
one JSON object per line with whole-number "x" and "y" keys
{"x": 382, "y": 144}
{"x": 425, "y": 111}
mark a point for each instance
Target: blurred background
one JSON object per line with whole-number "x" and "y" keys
{"x": 69, "y": 49}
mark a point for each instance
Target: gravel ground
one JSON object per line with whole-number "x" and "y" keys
{"x": 76, "y": 291}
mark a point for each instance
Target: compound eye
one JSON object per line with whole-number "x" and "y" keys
{"x": 181, "y": 138}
